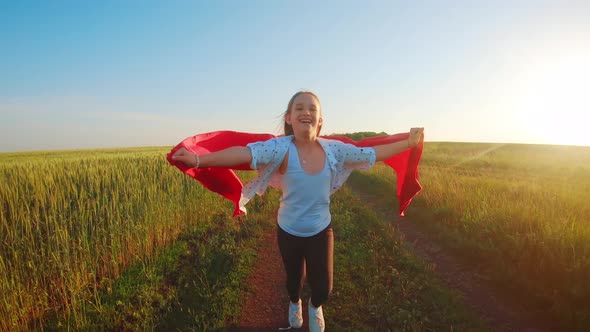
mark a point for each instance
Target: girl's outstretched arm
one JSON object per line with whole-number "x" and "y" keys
{"x": 236, "y": 155}
{"x": 387, "y": 151}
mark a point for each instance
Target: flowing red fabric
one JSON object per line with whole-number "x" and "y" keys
{"x": 226, "y": 183}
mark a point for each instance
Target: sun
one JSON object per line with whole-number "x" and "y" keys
{"x": 554, "y": 100}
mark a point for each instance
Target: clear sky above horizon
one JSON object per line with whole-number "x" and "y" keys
{"x": 85, "y": 74}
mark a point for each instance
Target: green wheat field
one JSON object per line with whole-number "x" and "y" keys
{"x": 117, "y": 239}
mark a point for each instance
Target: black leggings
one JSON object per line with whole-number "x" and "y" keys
{"x": 314, "y": 255}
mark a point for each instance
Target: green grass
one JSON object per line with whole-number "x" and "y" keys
{"x": 379, "y": 285}
{"x": 118, "y": 239}
{"x": 519, "y": 212}
{"x": 73, "y": 221}
{"x": 195, "y": 284}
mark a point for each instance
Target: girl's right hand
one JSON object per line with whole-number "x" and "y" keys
{"x": 182, "y": 155}
{"x": 416, "y": 135}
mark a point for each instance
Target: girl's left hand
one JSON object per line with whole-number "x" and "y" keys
{"x": 416, "y": 135}
{"x": 182, "y": 155}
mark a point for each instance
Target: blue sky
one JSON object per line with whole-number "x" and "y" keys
{"x": 82, "y": 74}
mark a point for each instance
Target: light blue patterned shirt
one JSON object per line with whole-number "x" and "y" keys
{"x": 305, "y": 205}
{"x": 268, "y": 155}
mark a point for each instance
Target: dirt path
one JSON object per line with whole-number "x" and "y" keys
{"x": 265, "y": 308}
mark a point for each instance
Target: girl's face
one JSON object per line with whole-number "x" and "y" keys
{"x": 305, "y": 115}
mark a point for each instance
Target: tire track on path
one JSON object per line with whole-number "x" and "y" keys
{"x": 498, "y": 312}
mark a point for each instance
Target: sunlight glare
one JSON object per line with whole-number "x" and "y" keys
{"x": 555, "y": 99}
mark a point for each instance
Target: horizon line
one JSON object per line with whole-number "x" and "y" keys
{"x": 171, "y": 146}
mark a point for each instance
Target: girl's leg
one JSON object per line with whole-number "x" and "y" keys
{"x": 319, "y": 257}
{"x": 291, "y": 248}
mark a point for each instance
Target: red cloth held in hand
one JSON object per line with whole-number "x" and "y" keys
{"x": 226, "y": 183}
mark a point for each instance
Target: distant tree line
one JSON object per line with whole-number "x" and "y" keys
{"x": 361, "y": 134}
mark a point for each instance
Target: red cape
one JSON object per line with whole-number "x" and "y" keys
{"x": 226, "y": 183}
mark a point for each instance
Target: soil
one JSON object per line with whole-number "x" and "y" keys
{"x": 266, "y": 307}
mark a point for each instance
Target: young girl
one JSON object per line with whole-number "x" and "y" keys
{"x": 308, "y": 169}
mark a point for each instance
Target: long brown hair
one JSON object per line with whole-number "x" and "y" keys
{"x": 288, "y": 129}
